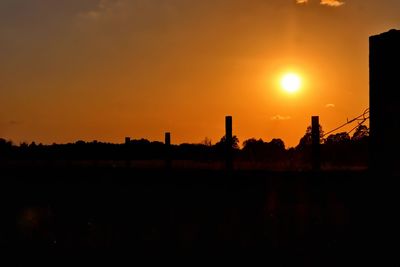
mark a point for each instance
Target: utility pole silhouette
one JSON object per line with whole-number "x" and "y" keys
{"x": 384, "y": 95}
{"x": 229, "y": 143}
{"x": 315, "y": 141}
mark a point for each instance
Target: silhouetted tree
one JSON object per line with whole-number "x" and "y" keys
{"x": 276, "y": 150}
{"x": 80, "y": 143}
{"x": 253, "y": 148}
{"x": 5, "y": 148}
{"x": 33, "y": 145}
{"x": 5, "y": 144}
{"x": 258, "y": 149}
{"x": 339, "y": 138}
{"x": 277, "y": 144}
{"x": 252, "y": 143}
{"x": 206, "y": 142}
{"x": 235, "y": 142}
{"x": 307, "y": 138}
{"x": 23, "y": 145}
{"x": 140, "y": 142}
{"x": 360, "y": 133}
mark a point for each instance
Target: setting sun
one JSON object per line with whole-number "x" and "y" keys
{"x": 291, "y": 82}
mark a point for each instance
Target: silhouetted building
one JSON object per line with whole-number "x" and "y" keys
{"x": 384, "y": 67}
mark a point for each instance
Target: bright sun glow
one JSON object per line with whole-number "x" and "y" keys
{"x": 291, "y": 82}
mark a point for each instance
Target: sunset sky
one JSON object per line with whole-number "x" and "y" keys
{"x": 102, "y": 70}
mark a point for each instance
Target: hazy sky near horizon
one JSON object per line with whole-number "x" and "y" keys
{"x": 102, "y": 70}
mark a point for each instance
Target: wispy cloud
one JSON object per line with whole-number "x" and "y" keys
{"x": 330, "y": 105}
{"x": 280, "y": 118}
{"x": 333, "y": 3}
{"x": 102, "y": 7}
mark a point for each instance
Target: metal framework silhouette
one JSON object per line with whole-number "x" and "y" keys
{"x": 361, "y": 119}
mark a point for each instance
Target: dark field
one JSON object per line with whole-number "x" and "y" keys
{"x": 284, "y": 218}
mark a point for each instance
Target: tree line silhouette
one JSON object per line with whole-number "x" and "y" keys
{"x": 339, "y": 148}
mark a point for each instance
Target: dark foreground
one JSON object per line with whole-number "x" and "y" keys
{"x": 284, "y": 219}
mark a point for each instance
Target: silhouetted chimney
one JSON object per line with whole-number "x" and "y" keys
{"x": 384, "y": 71}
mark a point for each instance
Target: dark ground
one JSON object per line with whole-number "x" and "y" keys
{"x": 282, "y": 218}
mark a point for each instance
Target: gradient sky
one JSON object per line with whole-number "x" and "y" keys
{"x": 102, "y": 70}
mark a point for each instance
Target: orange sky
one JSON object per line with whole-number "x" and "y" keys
{"x": 102, "y": 70}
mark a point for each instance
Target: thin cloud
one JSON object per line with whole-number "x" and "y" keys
{"x": 93, "y": 14}
{"x": 332, "y": 3}
{"x": 280, "y": 118}
{"x": 330, "y": 105}
{"x": 102, "y": 8}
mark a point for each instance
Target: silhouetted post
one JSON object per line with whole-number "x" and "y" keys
{"x": 229, "y": 142}
{"x": 315, "y": 140}
{"x": 127, "y": 151}
{"x": 127, "y": 140}
{"x": 168, "y": 162}
{"x": 384, "y": 95}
